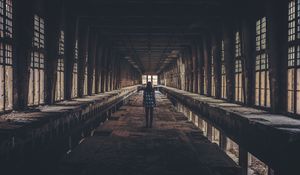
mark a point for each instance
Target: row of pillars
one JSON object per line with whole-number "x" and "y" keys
{"x": 196, "y": 59}
{"x": 102, "y": 62}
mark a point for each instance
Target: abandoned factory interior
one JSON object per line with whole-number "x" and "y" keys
{"x": 150, "y": 87}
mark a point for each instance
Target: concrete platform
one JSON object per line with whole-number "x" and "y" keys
{"x": 275, "y": 139}
{"x": 123, "y": 146}
{"x": 29, "y": 133}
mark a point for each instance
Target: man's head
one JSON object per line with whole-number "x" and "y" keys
{"x": 149, "y": 85}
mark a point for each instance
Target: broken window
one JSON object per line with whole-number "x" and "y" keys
{"x": 223, "y": 74}
{"x": 215, "y": 136}
{"x": 75, "y": 72}
{"x": 256, "y": 167}
{"x": 232, "y": 150}
{"x": 6, "y": 59}
{"x": 262, "y": 83}
{"x": 203, "y": 126}
{"x": 293, "y": 86}
{"x": 213, "y": 84}
{"x": 59, "y": 91}
{"x": 239, "y": 96}
{"x": 36, "y": 79}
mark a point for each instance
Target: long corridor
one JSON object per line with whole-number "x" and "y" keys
{"x": 123, "y": 146}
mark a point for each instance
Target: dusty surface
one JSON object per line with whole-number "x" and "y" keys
{"x": 123, "y": 146}
{"x": 273, "y": 138}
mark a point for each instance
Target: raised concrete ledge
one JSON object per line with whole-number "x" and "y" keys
{"x": 20, "y": 131}
{"x": 275, "y": 139}
{"x": 174, "y": 146}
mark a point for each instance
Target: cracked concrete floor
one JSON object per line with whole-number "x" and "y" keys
{"x": 123, "y": 146}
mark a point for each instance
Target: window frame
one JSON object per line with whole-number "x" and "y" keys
{"x": 238, "y": 73}
{"x": 7, "y": 61}
{"x": 293, "y": 62}
{"x": 223, "y": 73}
{"x": 60, "y": 78}
{"x": 213, "y": 80}
{"x": 75, "y": 72}
{"x": 262, "y": 66}
{"x": 37, "y": 53}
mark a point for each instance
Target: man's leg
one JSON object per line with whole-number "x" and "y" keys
{"x": 147, "y": 116}
{"x": 151, "y": 117}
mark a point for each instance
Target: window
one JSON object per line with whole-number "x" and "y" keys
{"x": 262, "y": 83}
{"x": 257, "y": 166}
{"x": 232, "y": 150}
{"x": 239, "y": 96}
{"x": 75, "y": 72}
{"x": 223, "y": 74}
{"x": 36, "y": 79}
{"x": 59, "y": 91}
{"x": 155, "y": 79}
{"x": 213, "y": 84}
{"x": 150, "y": 78}
{"x": 293, "y": 79}
{"x": 215, "y": 136}
{"x": 144, "y": 79}
{"x": 6, "y": 59}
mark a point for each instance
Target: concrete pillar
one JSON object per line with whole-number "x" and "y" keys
{"x": 103, "y": 69}
{"x": 108, "y": 70}
{"x": 248, "y": 50}
{"x": 70, "y": 41}
{"x": 223, "y": 141}
{"x": 112, "y": 69}
{"x": 52, "y": 35}
{"x": 82, "y": 55}
{"x": 207, "y": 65}
{"x": 209, "y": 132}
{"x": 91, "y": 60}
{"x": 190, "y": 70}
{"x": 277, "y": 26}
{"x": 22, "y": 44}
{"x": 243, "y": 161}
{"x": 216, "y": 51}
{"x": 98, "y": 69}
{"x": 195, "y": 68}
{"x": 229, "y": 59}
{"x": 200, "y": 55}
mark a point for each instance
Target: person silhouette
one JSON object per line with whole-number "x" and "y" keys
{"x": 149, "y": 103}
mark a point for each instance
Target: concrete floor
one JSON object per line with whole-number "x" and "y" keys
{"x": 123, "y": 146}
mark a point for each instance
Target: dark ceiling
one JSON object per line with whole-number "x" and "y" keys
{"x": 150, "y": 34}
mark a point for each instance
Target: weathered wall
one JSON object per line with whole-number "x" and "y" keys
{"x": 128, "y": 75}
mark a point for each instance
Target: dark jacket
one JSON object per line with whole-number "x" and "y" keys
{"x": 149, "y": 98}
